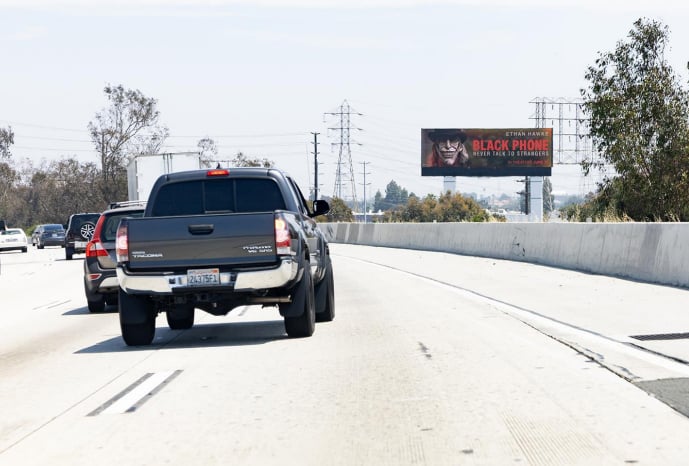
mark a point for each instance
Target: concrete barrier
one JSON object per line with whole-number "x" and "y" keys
{"x": 649, "y": 252}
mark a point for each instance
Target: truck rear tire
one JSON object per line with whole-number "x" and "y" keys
{"x": 302, "y": 325}
{"x": 137, "y": 319}
{"x": 180, "y": 317}
{"x": 325, "y": 296}
{"x": 69, "y": 252}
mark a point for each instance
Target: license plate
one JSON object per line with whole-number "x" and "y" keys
{"x": 80, "y": 244}
{"x": 203, "y": 277}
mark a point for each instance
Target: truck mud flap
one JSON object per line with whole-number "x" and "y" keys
{"x": 296, "y": 307}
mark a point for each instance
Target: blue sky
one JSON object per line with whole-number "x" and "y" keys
{"x": 259, "y": 77}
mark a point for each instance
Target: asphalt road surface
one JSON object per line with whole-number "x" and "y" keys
{"x": 432, "y": 359}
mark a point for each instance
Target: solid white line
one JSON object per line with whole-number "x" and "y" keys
{"x": 544, "y": 324}
{"x": 623, "y": 345}
{"x": 133, "y": 397}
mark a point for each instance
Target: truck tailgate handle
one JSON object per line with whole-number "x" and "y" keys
{"x": 202, "y": 229}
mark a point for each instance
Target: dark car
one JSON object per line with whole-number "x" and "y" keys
{"x": 80, "y": 230}
{"x": 51, "y": 234}
{"x": 100, "y": 278}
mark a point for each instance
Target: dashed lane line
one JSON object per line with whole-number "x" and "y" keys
{"x": 134, "y": 396}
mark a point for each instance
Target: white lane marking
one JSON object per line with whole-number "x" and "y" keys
{"x": 132, "y": 398}
{"x": 542, "y": 323}
{"x": 624, "y": 345}
{"x": 50, "y": 305}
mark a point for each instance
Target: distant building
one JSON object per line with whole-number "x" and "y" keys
{"x": 371, "y": 217}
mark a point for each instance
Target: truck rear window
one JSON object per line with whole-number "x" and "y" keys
{"x": 197, "y": 197}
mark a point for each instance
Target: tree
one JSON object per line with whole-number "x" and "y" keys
{"x": 7, "y": 174}
{"x": 241, "y": 160}
{"x": 378, "y": 201}
{"x": 62, "y": 188}
{"x": 208, "y": 150}
{"x": 395, "y": 195}
{"x": 8, "y": 179}
{"x": 413, "y": 211}
{"x": 6, "y": 140}
{"x": 118, "y": 132}
{"x": 339, "y": 211}
{"x": 149, "y": 143}
{"x": 639, "y": 116}
{"x": 597, "y": 207}
{"x": 448, "y": 207}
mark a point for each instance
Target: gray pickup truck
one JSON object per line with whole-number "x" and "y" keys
{"x": 218, "y": 239}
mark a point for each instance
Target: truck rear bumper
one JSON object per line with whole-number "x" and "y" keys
{"x": 243, "y": 281}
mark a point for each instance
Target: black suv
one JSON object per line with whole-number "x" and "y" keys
{"x": 80, "y": 230}
{"x": 100, "y": 278}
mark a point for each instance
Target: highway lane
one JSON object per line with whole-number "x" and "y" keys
{"x": 480, "y": 362}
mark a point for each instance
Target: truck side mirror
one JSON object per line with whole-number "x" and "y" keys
{"x": 320, "y": 207}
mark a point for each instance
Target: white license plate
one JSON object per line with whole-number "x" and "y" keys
{"x": 80, "y": 244}
{"x": 203, "y": 277}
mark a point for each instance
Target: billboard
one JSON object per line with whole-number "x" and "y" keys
{"x": 487, "y": 152}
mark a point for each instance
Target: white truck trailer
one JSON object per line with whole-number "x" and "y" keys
{"x": 143, "y": 170}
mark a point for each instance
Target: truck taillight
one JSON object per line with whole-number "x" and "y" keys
{"x": 282, "y": 237}
{"x": 121, "y": 242}
{"x": 218, "y": 172}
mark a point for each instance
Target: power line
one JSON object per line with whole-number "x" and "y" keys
{"x": 53, "y": 149}
{"x": 249, "y": 135}
{"x": 54, "y": 128}
{"x": 56, "y": 139}
{"x": 268, "y": 135}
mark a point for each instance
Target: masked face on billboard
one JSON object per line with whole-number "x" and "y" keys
{"x": 448, "y": 150}
{"x": 448, "y": 147}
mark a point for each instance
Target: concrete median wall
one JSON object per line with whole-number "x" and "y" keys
{"x": 649, "y": 252}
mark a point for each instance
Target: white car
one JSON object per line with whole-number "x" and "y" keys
{"x": 13, "y": 238}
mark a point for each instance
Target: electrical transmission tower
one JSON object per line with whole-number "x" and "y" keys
{"x": 344, "y": 178}
{"x": 571, "y": 139}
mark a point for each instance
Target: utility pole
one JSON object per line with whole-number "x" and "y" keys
{"x": 525, "y": 195}
{"x": 365, "y": 184}
{"x": 315, "y": 165}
